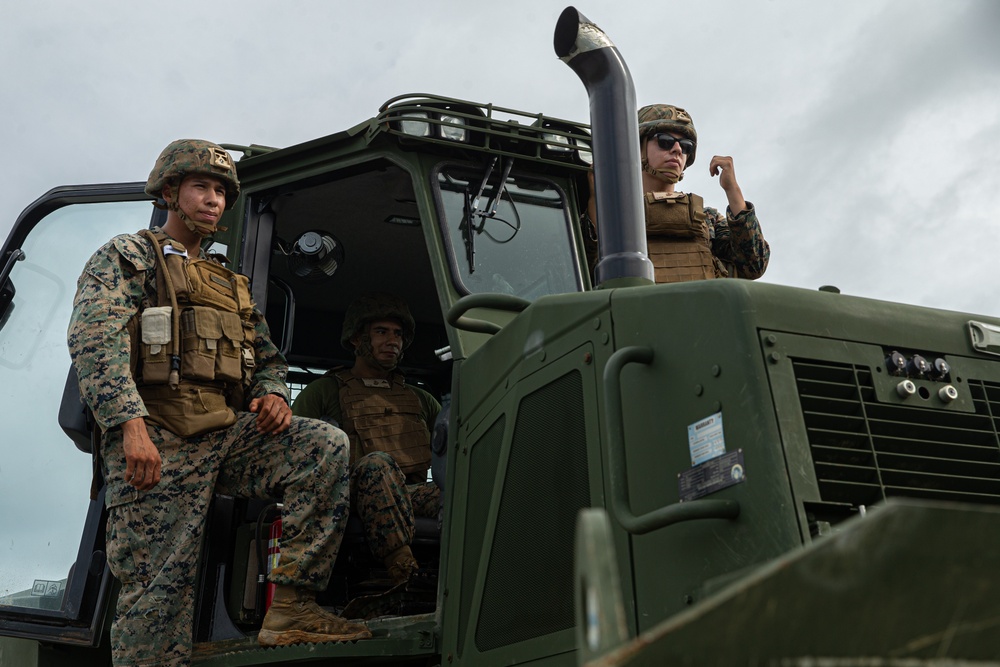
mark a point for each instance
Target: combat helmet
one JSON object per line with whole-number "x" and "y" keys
{"x": 373, "y": 307}
{"x": 668, "y": 118}
{"x": 193, "y": 156}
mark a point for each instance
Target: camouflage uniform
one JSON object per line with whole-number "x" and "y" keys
{"x": 736, "y": 242}
{"x": 154, "y": 536}
{"x": 384, "y": 498}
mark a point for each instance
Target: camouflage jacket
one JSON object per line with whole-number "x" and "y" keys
{"x": 738, "y": 242}
{"x": 118, "y": 281}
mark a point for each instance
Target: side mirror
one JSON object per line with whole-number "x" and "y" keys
{"x": 7, "y": 290}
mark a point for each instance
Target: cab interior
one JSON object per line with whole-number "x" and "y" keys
{"x": 332, "y": 238}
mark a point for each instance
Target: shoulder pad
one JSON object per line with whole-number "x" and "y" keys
{"x": 135, "y": 250}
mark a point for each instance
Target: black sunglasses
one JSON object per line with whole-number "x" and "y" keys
{"x": 667, "y": 142}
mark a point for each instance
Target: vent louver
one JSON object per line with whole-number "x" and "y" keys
{"x": 864, "y": 451}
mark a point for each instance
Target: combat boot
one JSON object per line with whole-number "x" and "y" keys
{"x": 295, "y": 618}
{"x": 401, "y": 565}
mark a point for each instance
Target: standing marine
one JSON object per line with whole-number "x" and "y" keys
{"x": 177, "y": 364}
{"x": 685, "y": 239}
{"x": 389, "y": 425}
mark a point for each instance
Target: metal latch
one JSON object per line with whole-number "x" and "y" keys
{"x": 985, "y": 337}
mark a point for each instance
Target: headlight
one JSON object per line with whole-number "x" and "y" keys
{"x": 453, "y": 128}
{"x": 415, "y": 128}
{"x": 557, "y": 142}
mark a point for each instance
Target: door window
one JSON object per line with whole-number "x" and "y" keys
{"x": 44, "y": 479}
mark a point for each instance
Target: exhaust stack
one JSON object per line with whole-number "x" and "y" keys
{"x": 621, "y": 228}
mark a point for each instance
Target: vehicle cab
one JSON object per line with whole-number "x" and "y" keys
{"x": 433, "y": 199}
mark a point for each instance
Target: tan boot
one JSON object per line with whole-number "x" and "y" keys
{"x": 295, "y": 618}
{"x": 401, "y": 564}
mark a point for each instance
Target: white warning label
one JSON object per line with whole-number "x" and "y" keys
{"x": 705, "y": 439}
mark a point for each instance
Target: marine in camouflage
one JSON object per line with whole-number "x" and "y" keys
{"x": 737, "y": 243}
{"x": 384, "y": 497}
{"x": 154, "y": 536}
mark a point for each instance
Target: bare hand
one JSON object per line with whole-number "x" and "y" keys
{"x": 722, "y": 166}
{"x": 142, "y": 458}
{"x": 273, "y": 413}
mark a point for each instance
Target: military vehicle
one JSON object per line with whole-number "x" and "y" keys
{"x": 760, "y": 474}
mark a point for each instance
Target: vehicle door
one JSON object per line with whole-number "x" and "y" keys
{"x": 54, "y": 581}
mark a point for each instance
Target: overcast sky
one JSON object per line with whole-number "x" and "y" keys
{"x": 864, "y": 131}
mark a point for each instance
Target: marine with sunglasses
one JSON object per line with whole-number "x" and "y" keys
{"x": 685, "y": 239}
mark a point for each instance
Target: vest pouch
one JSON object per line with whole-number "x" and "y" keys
{"x": 243, "y": 298}
{"x": 201, "y": 333}
{"x": 178, "y": 274}
{"x": 211, "y": 284}
{"x": 189, "y": 410}
{"x": 228, "y": 360}
{"x": 155, "y": 326}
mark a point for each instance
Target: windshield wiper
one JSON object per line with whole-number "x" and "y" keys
{"x": 475, "y": 219}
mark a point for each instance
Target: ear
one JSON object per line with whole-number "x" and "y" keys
{"x": 167, "y": 191}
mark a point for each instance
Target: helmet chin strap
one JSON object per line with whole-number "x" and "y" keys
{"x": 665, "y": 175}
{"x": 196, "y": 226}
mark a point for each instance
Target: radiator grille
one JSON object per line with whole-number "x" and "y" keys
{"x": 864, "y": 451}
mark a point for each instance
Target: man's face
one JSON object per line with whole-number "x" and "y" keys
{"x": 386, "y": 340}
{"x": 673, "y": 159}
{"x": 202, "y": 198}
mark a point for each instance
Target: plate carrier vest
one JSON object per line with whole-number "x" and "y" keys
{"x": 194, "y": 350}
{"x": 678, "y": 238}
{"x": 384, "y": 416}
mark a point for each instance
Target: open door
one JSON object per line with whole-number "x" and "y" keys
{"x": 54, "y": 581}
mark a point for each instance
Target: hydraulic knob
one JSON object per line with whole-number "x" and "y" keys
{"x": 947, "y": 393}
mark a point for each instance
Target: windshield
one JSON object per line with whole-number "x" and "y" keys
{"x": 512, "y": 240}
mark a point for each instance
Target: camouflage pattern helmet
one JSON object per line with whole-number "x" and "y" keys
{"x": 373, "y": 307}
{"x": 668, "y": 118}
{"x": 193, "y": 156}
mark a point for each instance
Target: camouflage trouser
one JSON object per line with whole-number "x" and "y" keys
{"x": 154, "y": 537}
{"x": 386, "y": 504}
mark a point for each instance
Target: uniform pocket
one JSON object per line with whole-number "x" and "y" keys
{"x": 127, "y": 534}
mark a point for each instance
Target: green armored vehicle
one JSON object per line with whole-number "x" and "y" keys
{"x": 709, "y": 473}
